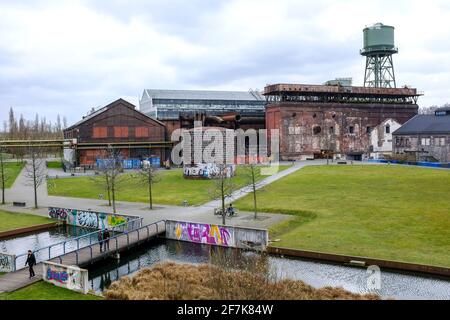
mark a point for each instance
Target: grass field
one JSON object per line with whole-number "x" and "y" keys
{"x": 12, "y": 220}
{"x": 386, "y": 212}
{"x": 54, "y": 164}
{"x": 12, "y": 170}
{"x": 45, "y": 291}
{"x": 172, "y": 189}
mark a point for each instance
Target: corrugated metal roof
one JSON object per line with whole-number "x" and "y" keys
{"x": 425, "y": 123}
{"x": 204, "y": 95}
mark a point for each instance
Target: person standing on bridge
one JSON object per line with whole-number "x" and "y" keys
{"x": 100, "y": 239}
{"x": 106, "y": 238}
{"x": 31, "y": 261}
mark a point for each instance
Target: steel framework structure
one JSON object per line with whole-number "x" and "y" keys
{"x": 379, "y": 71}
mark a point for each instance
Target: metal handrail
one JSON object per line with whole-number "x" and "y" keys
{"x": 77, "y": 239}
{"x": 116, "y": 237}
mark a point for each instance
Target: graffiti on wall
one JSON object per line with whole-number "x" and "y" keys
{"x": 116, "y": 220}
{"x": 207, "y": 171}
{"x": 58, "y": 213}
{"x": 92, "y": 219}
{"x": 204, "y": 233}
{"x": 228, "y": 236}
{"x": 56, "y": 275}
{"x": 6, "y": 262}
{"x": 70, "y": 277}
{"x": 87, "y": 219}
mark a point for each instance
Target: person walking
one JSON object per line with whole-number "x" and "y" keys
{"x": 31, "y": 261}
{"x": 100, "y": 240}
{"x": 106, "y": 238}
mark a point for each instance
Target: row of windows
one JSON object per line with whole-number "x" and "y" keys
{"x": 120, "y": 132}
{"x": 440, "y": 141}
{"x": 351, "y": 130}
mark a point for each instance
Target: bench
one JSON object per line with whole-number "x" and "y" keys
{"x": 19, "y": 204}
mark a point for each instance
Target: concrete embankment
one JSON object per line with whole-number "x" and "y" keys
{"x": 361, "y": 261}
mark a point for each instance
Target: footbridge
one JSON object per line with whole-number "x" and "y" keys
{"x": 81, "y": 251}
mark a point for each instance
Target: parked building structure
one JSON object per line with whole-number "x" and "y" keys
{"x": 381, "y": 139}
{"x": 425, "y": 137}
{"x": 228, "y": 109}
{"x": 315, "y": 121}
{"x": 121, "y": 126}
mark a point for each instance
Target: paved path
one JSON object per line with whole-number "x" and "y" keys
{"x": 23, "y": 191}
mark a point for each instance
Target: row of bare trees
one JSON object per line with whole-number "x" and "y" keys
{"x": 110, "y": 169}
{"x": 19, "y": 128}
{"x": 222, "y": 189}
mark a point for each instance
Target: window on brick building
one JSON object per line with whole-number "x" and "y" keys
{"x": 100, "y": 132}
{"x": 351, "y": 129}
{"x": 142, "y": 132}
{"x": 331, "y": 130}
{"x": 120, "y": 132}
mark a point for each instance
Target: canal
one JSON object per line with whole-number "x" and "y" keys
{"x": 317, "y": 274}
{"x": 33, "y": 241}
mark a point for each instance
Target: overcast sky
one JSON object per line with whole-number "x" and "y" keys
{"x": 69, "y": 56}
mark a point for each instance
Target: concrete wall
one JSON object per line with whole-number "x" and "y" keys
{"x": 226, "y": 236}
{"x": 7, "y": 262}
{"x": 380, "y": 140}
{"x": 69, "y": 277}
{"x": 92, "y": 219}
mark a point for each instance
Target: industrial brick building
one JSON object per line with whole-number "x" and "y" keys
{"x": 121, "y": 126}
{"x": 319, "y": 120}
{"x": 227, "y": 109}
{"x": 425, "y": 137}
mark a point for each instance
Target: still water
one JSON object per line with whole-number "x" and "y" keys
{"x": 22, "y": 243}
{"x": 317, "y": 274}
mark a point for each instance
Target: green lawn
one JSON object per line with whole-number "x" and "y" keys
{"x": 172, "y": 189}
{"x": 45, "y": 291}
{"x": 386, "y": 212}
{"x": 12, "y": 170}
{"x": 54, "y": 164}
{"x": 12, "y": 220}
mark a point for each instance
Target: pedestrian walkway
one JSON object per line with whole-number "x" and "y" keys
{"x": 84, "y": 256}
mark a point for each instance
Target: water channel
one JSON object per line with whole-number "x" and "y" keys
{"x": 317, "y": 274}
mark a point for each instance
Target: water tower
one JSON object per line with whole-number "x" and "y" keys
{"x": 378, "y": 49}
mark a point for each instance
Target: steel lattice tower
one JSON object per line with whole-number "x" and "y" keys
{"x": 378, "y": 49}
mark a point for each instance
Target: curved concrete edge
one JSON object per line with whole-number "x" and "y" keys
{"x": 20, "y": 231}
{"x": 389, "y": 264}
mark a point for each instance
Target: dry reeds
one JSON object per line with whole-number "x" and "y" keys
{"x": 171, "y": 281}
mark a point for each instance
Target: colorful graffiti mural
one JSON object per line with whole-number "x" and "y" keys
{"x": 236, "y": 237}
{"x": 69, "y": 277}
{"x": 58, "y": 213}
{"x": 116, "y": 220}
{"x": 6, "y": 262}
{"x": 59, "y": 276}
{"x": 92, "y": 219}
{"x": 204, "y": 233}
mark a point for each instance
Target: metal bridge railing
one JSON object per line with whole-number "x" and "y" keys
{"x": 70, "y": 245}
{"x": 145, "y": 229}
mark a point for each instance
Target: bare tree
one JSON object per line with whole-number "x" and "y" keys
{"x": 3, "y": 175}
{"x": 148, "y": 176}
{"x": 223, "y": 187}
{"x": 110, "y": 168}
{"x": 253, "y": 175}
{"x": 36, "y": 171}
